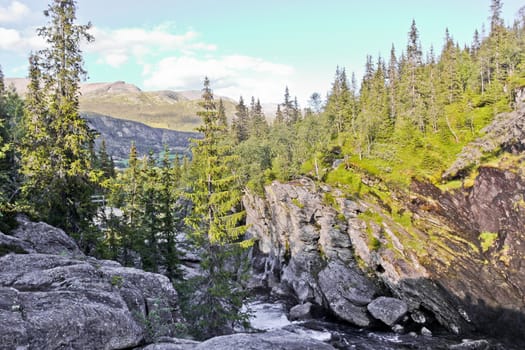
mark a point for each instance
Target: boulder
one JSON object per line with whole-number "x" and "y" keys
{"x": 388, "y": 310}
{"x": 347, "y": 292}
{"x": 44, "y": 238}
{"x": 426, "y": 332}
{"x": 274, "y": 340}
{"x": 304, "y": 311}
{"x": 165, "y": 343}
{"x": 63, "y": 299}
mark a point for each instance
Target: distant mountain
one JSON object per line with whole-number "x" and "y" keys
{"x": 174, "y": 110}
{"x": 119, "y": 134}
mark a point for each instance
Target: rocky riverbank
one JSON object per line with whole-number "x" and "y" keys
{"x": 346, "y": 256}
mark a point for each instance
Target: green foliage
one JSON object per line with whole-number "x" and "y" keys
{"x": 487, "y": 240}
{"x": 217, "y": 222}
{"x": 56, "y": 146}
{"x": 117, "y": 281}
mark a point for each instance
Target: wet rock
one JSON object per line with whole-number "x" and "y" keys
{"x": 302, "y": 311}
{"x": 399, "y": 329}
{"x": 388, "y": 310}
{"x": 426, "y": 332}
{"x": 418, "y": 317}
{"x": 471, "y": 345}
{"x": 274, "y": 340}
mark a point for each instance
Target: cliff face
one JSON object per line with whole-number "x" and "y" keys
{"x": 120, "y": 134}
{"x": 458, "y": 262}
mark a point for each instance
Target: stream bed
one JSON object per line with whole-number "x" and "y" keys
{"x": 272, "y": 315}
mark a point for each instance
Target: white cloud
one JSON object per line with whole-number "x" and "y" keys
{"x": 116, "y": 47}
{"x": 14, "y": 12}
{"x": 8, "y": 38}
{"x": 230, "y": 76}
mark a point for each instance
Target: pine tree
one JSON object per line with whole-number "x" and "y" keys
{"x": 56, "y": 159}
{"x": 170, "y": 215}
{"x": 221, "y": 114}
{"x": 279, "y": 117}
{"x": 217, "y": 223}
{"x": 240, "y": 122}
{"x": 258, "y": 125}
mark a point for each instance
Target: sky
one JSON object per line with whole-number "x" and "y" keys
{"x": 245, "y": 47}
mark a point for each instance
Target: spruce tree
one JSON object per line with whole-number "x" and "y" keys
{"x": 217, "y": 221}
{"x": 240, "y": 122}
{"x": 56, "y": 159}
{"x": 257, "y": 126}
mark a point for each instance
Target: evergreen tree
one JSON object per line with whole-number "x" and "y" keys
{"x": 315, "y": 102}
{"x": 258, "y": 125}
{"x": 217, "y": 224}
{"x": 56, "y": 159}
{"x": 170, "y": 215}
{"x": 11, "y": 111}
{"x": 221, "y": 114}
{"x": 279, "y": 117}
{"x": 240, "y": 122}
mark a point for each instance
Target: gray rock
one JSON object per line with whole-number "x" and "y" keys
{"x": 426, "y": 332}
{"x": 481, "y": 344}
{"x": 274, "y": 340}
{"x": 388, "y": 310}
{"x": 10, "y": 244}
{"x": 348, "y": 292}
{"x": 67, "y": 300}
{"x": 172, "y": 344}
{"x": 399, "y": 329}
{"x": 302, "y": 311}
{"x": 418, "y": 317}
{"x": 45, "y": 239}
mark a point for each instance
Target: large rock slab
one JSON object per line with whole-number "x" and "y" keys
{"x": 63, "y": 299}
{"x": 274, "y": 340}
{"x": 347, "y": 292}
{"x": 45, "y": 239}
{"x": 388, "y": 310}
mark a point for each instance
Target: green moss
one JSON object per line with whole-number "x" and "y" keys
{"x": 487, "y": 240}
{"x": 297, "y": 203}
{"x": 374, "y": 244}
{"x": 117, "y": 281}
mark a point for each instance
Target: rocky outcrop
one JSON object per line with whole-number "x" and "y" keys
{"x": 274, "y": 340}
{"x": 52, "y": 296}
{"x": 456, "y": 264}
{"x": 506, "y": 132}
{"x": 388, "y": 310}
{"x": 304, "y": 248}
{"x": 119, "y": 134}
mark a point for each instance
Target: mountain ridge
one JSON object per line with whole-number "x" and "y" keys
{"x": 165, "y": 109}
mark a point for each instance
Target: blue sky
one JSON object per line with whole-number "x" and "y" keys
{"x": 245, "y": 47}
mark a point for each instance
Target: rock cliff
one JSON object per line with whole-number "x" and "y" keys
{"x": 456, "y": 263}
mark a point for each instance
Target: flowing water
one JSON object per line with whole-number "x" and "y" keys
{"x": 272, "y": 315}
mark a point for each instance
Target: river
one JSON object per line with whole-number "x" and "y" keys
{"x": 272, "y": 315}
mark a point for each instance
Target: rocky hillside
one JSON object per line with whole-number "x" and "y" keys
{"x": 52, "y": 296}
{"x": 437, "y": 259}
{"x": 119, "y": 135}
{"x": 159, "y": 109}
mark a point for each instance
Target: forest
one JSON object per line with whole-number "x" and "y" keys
{"x": 408, "y": 118}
